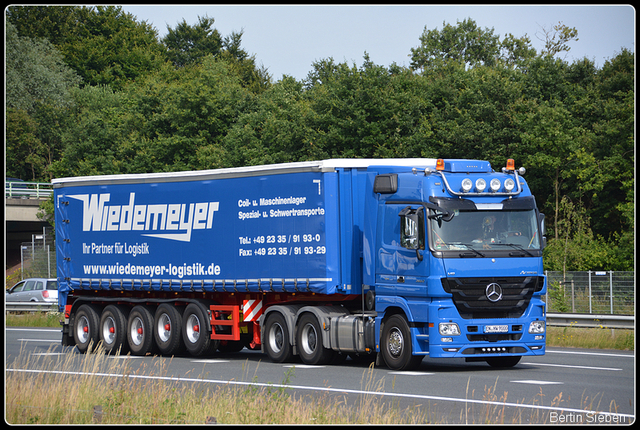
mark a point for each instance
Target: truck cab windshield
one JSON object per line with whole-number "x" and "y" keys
{"x": 486, "y": 230}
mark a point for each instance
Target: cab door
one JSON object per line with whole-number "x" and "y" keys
{"x": 401, "y": 268}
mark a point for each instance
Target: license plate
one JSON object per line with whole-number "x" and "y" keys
{"x": 496, "y": 328}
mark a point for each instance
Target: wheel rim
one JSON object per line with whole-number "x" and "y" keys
{"x": 164, "y": 328}
{"x": 82, "y": 329}
{"x": 109, "y": 330}
{"x": 276, "y": 338}
{"x": 309, "y": 339}
{"x": 137, "y": 331}
{"x": 396, "y": 342}
{"x": 193, "y": 328}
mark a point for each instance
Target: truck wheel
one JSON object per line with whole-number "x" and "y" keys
{"x": 113, "y": 329}
{"x": 396, "y": 344}
{"x": 196, "y": 331}
{"x": 140, "y": 330}
{"x": 86, "y": 332}
{"x": 503, "y": 361}
{"x": 309, "y": 341}
{"x": 168, "y": 328}
{"x": 277, "y": 343}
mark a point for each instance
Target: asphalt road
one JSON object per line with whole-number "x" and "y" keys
{"x": 565, "y": 386}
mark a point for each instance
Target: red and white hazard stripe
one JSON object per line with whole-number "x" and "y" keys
{"x": 251, "y": 310}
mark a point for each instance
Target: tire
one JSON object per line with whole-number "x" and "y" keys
{"x": 396, "y": 344}
{"x": 503, "y": 362}
{"x": 196, "y": 331}
{"x": 86, "y": 332}
{"x": 309, "y": 341}
{"x": 276, "y": 335}
{"x": 167, "y": 331}
{"x": 140, "y": 330}
{"x": 113, "y": 330}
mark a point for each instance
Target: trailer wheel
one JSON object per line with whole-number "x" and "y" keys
{"x": 168, "y": 329}
{"x": 140, "y": 330}
{"x": 196, "y": 331}
{"x": 509, "y": 361}
{"x": 396, "y": 344}
{"x": 276, "y": 335}
{"x": 85, "y": 331}
{"x": 113, "y": 330}
{"x": 309, "y": 341}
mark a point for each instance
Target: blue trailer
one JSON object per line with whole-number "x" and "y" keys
{"x": 394, "y": 259}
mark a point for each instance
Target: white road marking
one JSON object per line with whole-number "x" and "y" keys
{"x": 572, "y": 366}
{"x": 535, "y": 382}
{"x": 39, "y": 340}
{"x": 49, "y": 353}
{"x": 604, "y": 354}
{"x": 304, "y": 366}
{"x": 409, "y": 373}
{"x": 212, "y": 360}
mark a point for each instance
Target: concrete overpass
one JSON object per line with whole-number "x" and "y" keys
{"x": 21, "y": 203}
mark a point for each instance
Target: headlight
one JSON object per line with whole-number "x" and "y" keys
{"x": 466, "y": 185}
{"x": 449, "y": 329}
{"x": 536, "y": 327}
{"x": 509, "y": 184}
{"x": 495, "y": 184}
{"x": 481, "y": 185}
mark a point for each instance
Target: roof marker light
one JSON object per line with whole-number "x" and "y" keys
{"x": 440, "y": 164}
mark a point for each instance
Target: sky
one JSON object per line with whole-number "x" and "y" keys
{"x": 288, "y": 39}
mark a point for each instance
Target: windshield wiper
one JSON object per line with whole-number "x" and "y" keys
{"x": 515, "y": 246}
{"x": 469, "y": 247}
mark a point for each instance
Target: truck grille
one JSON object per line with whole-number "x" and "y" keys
{"x": 470, "y": 298}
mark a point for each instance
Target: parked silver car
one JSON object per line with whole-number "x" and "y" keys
{"x": 34, "y": 290}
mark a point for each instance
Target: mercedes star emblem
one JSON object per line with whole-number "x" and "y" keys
{"x": 493, "y": 292}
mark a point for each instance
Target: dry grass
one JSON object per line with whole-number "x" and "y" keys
{"x": 64, "y": 393}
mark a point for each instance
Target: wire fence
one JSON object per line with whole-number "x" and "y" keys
{"x": 38, "y": 257}
{"x": 592, "y": 292}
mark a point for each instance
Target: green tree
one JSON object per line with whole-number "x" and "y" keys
{"x": 104, "y": 45}
{"x": 575, "y": 248}
{"x": 275, "y": 130}
{"x": 38, "y": 94}
{"x": 367, "y": 112}
{"x": 465, "y": 43}
{"x": 57, "y": 24}
{"x": 35, "y": 73}
{"x": 557, "y": 38}
{"x": 171, "y": 120}
{"x": 188, "y": 44}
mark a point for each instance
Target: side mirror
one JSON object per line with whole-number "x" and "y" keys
{"x": 543, "y": 229}
{"x": 412, "y": 229}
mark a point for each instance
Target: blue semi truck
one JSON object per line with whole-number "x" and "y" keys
{"x": 386, "y": 259}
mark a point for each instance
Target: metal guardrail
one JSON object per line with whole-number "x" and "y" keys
{"x": 30, "y": 306}
{"x": 28, "y": 190}
{"x": 592, "y": 320}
